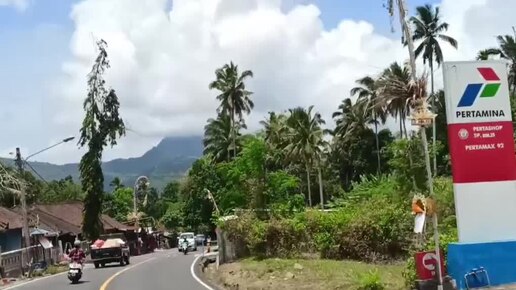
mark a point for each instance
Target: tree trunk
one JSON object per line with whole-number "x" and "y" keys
{"x": 233, "y": 128}
{"x": 405, "y": 125}
{"x": 427, "y": 162}
{"x": 309, "y": 185}
{"x": 321, "y": 195}
{"x": 433, "y": 111}
{"x": 414, "y": 184}
{"x": 401, "y": 126}
{"x": 377, "y": 142}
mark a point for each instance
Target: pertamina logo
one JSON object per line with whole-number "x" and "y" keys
{"x": 480, "y": 90}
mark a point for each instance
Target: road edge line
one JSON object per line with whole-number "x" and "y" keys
{"x": 192, "y": 271}
{"x": 33, "y": 281}
{"x": 110, "y": 279}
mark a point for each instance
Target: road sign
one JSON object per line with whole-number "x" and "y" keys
{"x": 426, "y": 265}
{"x": 480, "y": 136}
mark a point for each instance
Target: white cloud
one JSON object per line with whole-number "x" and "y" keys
{"x": 163, "y": 60}
{"x": 21, "y": 5}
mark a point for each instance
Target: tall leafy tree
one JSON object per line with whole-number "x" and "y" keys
{"x": 116, "y": 183}
{"x": 354, "y": 142}
{"x": 393, "y": 87}
{"x": 102, "y": 126}
{"x": 486, "y": 54}
{"x": 305, "y": 140}
{"x": 401, "y": 7}
{"x": 234, "y": 97}
{"x": 428, "y": 29}
{"x": 275, "y": 129}
{"x": 119, "y": 204}
{"x": 367, "y": 93}
{"x": 219, "y": 140}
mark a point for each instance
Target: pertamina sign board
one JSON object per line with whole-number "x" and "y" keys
{"x": 479, "y": 117}
{"x": 480, "y": 136}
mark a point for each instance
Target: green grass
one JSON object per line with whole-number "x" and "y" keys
{"x": 52, "y": 270}
{"x": 315, "y": 274}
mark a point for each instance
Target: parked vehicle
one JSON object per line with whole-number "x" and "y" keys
{"x": 112, "y": 251}
{"x": 190, "y": 237}
{"x": 74, "y": 272}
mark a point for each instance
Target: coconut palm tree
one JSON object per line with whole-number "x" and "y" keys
{"x": 116, "y": 183}
{"x": 507, "y": 51}
{"x": 274, "y": 128}
{"x": 305, "y": 141}
{"x": 401, "y": 6}
{"x": 367, "y": 94}
{"x": 234, "y": 98}
{"x": 392, "y": 88}
{"x": 351, "y": 119}
{"x": 218, "y": 139}
{"x": 428, "y": 29}
{"x": 486, "y": 54}
{"x": 275, "y": 131}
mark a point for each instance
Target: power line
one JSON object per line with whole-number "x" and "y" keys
{"x": 34, "y": 170}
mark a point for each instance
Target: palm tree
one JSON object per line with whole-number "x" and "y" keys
{"x": 275, "y": 131}
{"x": 274, "y": 128}
{"x": 305, "y": 141}
{"x": 485, "y": 54}
{"x": 116, "y": 183}
{"x": 366, "y": 92}
{"x": 507, "y": 51}
{"x": 402, "y": 12}
{"x": 351, "y": 119}
{"x": 234, "y": 98}
{"x": 393, "y": 89}
{"x": 218, "y": 140}
{"x": 428, "y": 29}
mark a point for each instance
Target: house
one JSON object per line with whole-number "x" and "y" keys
{"x": 66, "y": 220}
{"x": 10, "y": 230}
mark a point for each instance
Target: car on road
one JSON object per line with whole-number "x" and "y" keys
{"x": 190, "y": 237}
{"x": 200, "y": 240}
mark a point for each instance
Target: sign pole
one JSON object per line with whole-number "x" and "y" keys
{"x": 422, "y": 118}
{"x": 437, "y": 252}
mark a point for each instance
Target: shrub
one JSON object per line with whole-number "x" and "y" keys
{"x": 409, "y": 273}
{"x": 370, "y": 281}
{"x": 376, "y": 226}
{"x": 374, "y": 229}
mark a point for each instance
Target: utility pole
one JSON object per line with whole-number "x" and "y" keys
{"x": 23, "y": 203}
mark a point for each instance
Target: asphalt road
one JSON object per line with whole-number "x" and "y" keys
{"x": 158, "y": 271}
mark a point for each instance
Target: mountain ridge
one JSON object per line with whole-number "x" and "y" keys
{"x": 169, "y": 160}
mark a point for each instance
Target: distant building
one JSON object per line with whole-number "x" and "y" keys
{"x": 10, "y": 230}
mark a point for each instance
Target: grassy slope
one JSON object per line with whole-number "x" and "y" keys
{"x": 315, "y": 274}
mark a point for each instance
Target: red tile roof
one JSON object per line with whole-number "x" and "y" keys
{"x": 9, "y": 219}
{"x": 67, "y": 218}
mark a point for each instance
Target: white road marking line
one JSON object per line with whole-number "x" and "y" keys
{"x": 110, "y": 279}
{"x": 192, "y": 271}
{"x": 87, "y": 266}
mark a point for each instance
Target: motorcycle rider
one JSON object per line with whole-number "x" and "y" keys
{"x": 185, "y": 241}
{"x": 77, "y": 254}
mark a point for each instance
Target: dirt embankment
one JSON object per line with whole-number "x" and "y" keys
{"x": 299, "y": 275}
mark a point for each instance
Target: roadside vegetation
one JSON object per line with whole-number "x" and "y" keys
{"x": 291, "y": 274}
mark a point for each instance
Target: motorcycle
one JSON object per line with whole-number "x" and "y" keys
{"x": 74, "y": 272}
{"x": 184, "y": 247}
